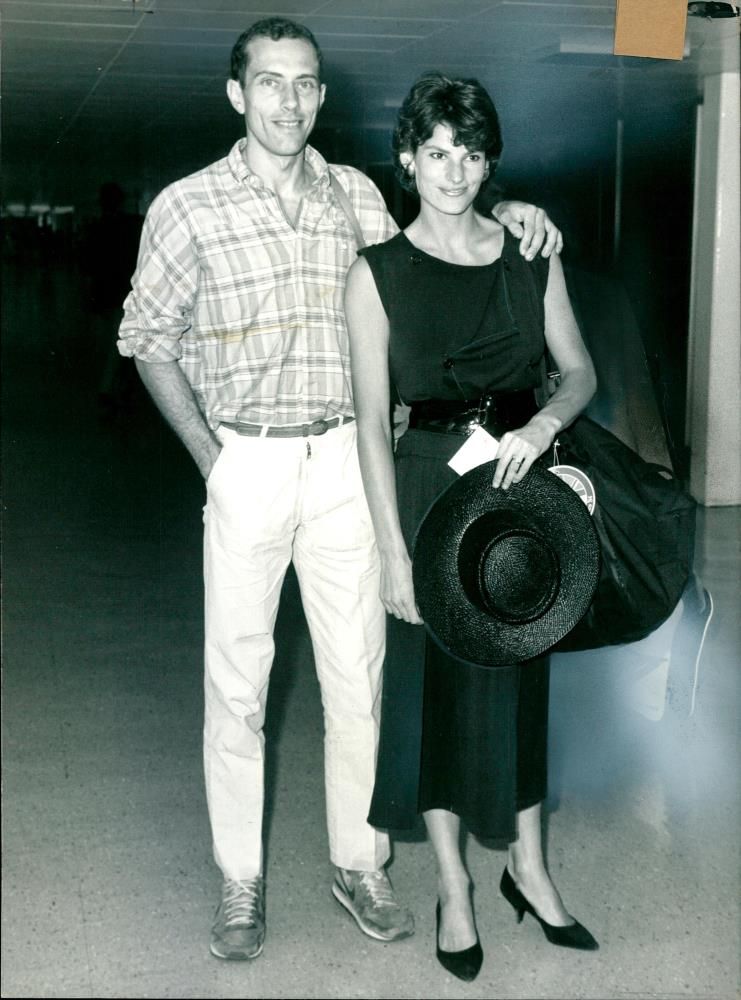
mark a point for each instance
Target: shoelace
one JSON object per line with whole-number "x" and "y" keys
{"x": 241, "y": 901}
{"x": 378, "y": 888}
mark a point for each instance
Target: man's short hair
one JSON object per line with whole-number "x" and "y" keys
{"x": 463, "y": 105}
{"x": 274, "y": 28}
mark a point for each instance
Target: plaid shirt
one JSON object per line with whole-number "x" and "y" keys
{"x": 250, "y": 306}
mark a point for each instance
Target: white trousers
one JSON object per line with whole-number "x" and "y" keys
{"x": 270, "y": 500}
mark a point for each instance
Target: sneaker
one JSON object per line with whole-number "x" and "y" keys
{"x": 369, "y": 899}
{"x": 238, "y": 932}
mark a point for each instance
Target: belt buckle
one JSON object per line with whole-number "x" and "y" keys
{"x": 317, "y": 427}
{"x": 464, "y": 423}
{"x": 485, "y": 405}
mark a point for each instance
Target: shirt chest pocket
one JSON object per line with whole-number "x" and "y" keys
{"x": 331, "y": 238}
{"x": 234, "y": 255}
{"x": 241, "y": 274}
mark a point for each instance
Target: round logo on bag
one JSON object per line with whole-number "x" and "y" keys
{"x": 579, "y": 482}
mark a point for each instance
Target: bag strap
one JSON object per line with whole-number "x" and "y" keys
{"x": 341, "y": 196}
{"x": 550, "y": 379}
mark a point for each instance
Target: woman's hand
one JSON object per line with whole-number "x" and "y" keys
{"x": 519, "y": 449}
{"x": 397, "y": 588}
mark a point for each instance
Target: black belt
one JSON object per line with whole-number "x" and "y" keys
{"x": 296, "y": 430}
{"x": 498, "y": 412}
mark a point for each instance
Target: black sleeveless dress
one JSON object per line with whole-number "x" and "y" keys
{"x": 455, "y": 736}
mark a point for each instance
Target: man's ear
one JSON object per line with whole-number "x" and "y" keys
{"x": 235, "y": 95}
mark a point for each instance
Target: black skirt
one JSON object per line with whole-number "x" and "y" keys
{"x": 472, "y": 740}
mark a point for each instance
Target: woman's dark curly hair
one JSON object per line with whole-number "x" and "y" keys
{"x": 463, "y": 105}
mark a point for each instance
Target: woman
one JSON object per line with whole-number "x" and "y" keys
{"x": 448, "y": 318}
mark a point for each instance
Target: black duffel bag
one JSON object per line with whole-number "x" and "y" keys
{"x": 646, "y": 526}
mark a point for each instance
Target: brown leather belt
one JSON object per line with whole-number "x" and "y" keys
{"x": 315, "y": 428}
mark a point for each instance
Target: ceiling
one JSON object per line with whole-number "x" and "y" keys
{"x": 133, "y": 90}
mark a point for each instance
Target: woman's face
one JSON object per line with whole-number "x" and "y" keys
{"x": 448, "y": 177}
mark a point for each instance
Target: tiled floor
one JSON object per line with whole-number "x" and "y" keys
{"x": 109, "y": 887}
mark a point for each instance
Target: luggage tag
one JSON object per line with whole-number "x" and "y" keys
{"x": 479, "y": 447}
{"x": 577, "y": 479}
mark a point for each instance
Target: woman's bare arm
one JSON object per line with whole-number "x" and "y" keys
{"x": 519, "y": 449}
{"x": 369, "y": 338}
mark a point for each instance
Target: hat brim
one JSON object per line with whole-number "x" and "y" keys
{"x": 546, "y": 509}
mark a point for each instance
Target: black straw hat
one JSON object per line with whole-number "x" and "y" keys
{"x": 502, "y": 575}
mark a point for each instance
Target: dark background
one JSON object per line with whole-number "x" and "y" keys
{"x": 132, "y": 92}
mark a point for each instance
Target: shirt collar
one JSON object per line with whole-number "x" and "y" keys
{"x": 243, "y": 175}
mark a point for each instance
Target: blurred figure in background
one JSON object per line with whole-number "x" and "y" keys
{"x": 109, "y": 249}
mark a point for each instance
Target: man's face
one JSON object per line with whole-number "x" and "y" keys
{"x": 281, "y": 96}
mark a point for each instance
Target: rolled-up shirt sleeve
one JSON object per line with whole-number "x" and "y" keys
{"x": 159, "y": 308}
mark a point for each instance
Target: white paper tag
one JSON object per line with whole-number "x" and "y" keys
{"x": 479, "y": 447}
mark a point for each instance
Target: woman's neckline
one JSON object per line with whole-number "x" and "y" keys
{"x": 451, "y": 263}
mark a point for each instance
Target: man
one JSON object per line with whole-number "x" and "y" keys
{"x": 237, "y": 326}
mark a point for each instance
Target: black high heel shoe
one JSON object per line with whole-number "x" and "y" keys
{"x": 463, "y": 964}
{"x": 571, "y": 936}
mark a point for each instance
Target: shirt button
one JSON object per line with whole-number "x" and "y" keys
{"x": 448, "y": 363}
